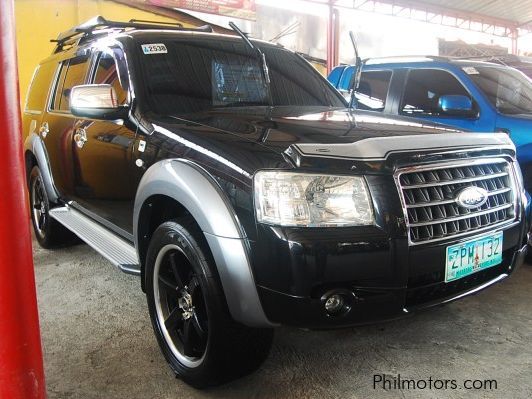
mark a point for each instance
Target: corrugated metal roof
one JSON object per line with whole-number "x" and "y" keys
{"x": 517, "y": 11}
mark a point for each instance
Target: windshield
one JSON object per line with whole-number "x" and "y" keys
{"x": 195, "y": 76}
{"x": 507, "y": 89}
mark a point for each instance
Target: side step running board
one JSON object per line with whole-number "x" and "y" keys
{"x": 118, "y": 251}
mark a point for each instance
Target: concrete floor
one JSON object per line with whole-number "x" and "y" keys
{"x": 98, "y": 343}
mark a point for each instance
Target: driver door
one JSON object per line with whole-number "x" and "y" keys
{"x": 102, "y": 157}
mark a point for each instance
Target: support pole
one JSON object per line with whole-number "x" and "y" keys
{"x": 21, "y": 367}
{"x": 332, "y": 36}
{"x": 515, "y": 38}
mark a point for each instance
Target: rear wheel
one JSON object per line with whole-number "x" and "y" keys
{"x": 49, "y": 232}
{"x": 197, "y": 336}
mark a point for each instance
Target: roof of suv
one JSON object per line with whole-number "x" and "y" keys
{"x": 205, "y": 36}
{"x": 99, "y": 27}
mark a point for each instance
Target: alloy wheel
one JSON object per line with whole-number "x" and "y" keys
{"x": 39, "y": 206}
{"x": 180, "y": 306}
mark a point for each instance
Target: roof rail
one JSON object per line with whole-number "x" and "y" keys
{"x": 490, "y": 57}
{"x": 93, "y": 26}
{"x": 405, "y": 58}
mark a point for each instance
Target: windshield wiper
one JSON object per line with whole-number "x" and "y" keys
{"x": 262, "y": 57}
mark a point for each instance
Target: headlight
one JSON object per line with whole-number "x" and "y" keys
{"x": 297, "y": 199}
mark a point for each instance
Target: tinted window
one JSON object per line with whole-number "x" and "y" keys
{"x": 424, "y": 89}
{"x": 507, "y": 89}
{"x": 196, "y": 77}
{"x": 107, "y": 73}
{"x": 373, "y": 90}
{"x": 39, "y": 87}
{"x": 60, "y": 80}
{"x": 72, "y": 73}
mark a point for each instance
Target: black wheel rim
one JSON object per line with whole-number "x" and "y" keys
{"x": 39, "y": 206}
{"x": 180, "y": 306}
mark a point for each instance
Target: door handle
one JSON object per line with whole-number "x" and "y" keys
{"x": 80, "y": 137}
{"x": 44, "y": 129}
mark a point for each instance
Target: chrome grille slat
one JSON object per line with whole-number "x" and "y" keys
{"x": 445, "y": 183}
{"x": 428, "y": 194}
{"x": 452, "y": 201}
{"x": 466, "y": 216}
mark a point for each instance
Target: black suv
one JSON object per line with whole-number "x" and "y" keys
{"x": 230, "y": 176}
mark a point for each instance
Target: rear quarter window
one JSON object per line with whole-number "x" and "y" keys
{"x": 39, "y": 88}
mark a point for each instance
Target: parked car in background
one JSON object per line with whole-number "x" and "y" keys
{"x": 470, "y": 95}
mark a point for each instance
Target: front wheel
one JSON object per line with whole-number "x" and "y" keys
{"x": 189, "y": 314}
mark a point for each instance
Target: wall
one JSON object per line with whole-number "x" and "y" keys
{"x": 38, "y": 21}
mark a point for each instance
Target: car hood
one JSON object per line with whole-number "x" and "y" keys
{"x": 280, "y": 127}
{"x": 303, "y": 132}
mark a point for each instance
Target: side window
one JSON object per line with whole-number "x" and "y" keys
{"x": 39, "y": 87}
{"x": 72, "y": 73}
{"x": 425, "y": 87}
{"x": 56, "y": 99}
{"x": 373, "y": 90}
{"x": 106, "y": 73}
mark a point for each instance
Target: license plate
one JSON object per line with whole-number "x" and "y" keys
{"x": 472, "y": 256}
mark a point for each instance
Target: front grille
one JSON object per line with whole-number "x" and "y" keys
{"x": 429, "y": 199}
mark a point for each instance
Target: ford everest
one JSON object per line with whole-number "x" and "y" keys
{"x": 231, "y": 177}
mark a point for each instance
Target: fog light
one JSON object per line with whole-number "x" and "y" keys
{"x": 338, "y": 302}
{"x": 334, "y": 303}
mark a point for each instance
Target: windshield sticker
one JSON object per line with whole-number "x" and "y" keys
{"x": 154, "y": 48}
{"x": 471, "y": 70}
{"x": 236, "y": 84}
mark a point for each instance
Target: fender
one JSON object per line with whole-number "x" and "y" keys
{"x": 35, "y": 145}
{"x": 190, "y": 185}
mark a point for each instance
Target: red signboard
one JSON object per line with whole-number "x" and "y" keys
{"x": 244, "y": 9}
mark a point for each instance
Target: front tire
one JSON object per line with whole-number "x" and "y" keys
{"x": 189, "y": 314}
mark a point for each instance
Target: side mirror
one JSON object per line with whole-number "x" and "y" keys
{"x": 456, "y": 105}
{"x": 97, "y": 102}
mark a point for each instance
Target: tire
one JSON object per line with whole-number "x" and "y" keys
{"x": 49, "y": 232}
{"x": 189, "y": 314}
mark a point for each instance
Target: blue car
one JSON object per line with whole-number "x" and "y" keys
{"x": 470, "y": 95}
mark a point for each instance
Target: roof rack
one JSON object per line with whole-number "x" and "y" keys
{"x": 99, "y": 25}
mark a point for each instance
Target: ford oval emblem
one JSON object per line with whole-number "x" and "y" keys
{"x": 471, "y": 197}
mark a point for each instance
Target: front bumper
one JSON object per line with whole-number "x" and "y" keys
{"x": 394, "y": 280}
{"x": 295, "y": 268}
